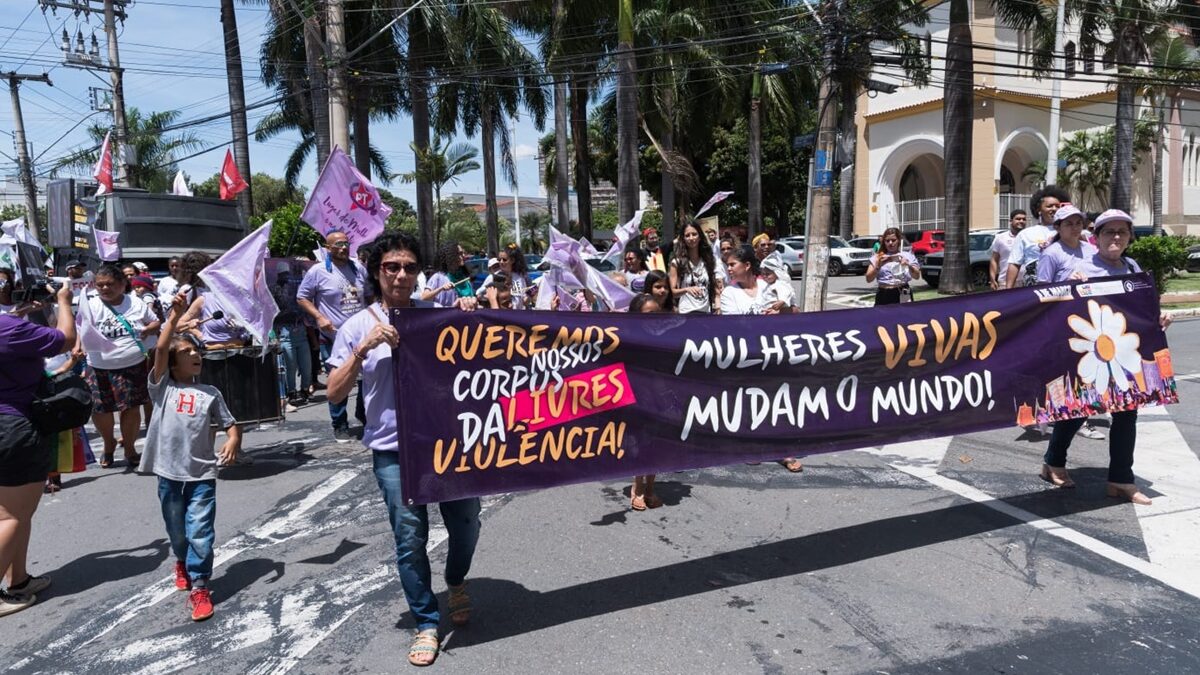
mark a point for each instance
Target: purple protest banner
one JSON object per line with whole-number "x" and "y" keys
{"x": 497, "y": 401}
{"x": 345, "y": 201}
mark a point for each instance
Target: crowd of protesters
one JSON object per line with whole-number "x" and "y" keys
{"x": 149, "y": 339}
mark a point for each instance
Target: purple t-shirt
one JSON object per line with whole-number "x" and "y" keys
{"x": 338, "y": 293}
{"x": 23, "y": 345}
{"x": 1059, "y": 262}
{"x": 1094, "y": 266}
{"x": 378, "y": 385}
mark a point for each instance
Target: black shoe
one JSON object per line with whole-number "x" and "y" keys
{"x": 342, "y": 435}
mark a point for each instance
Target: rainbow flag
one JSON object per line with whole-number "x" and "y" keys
{"x": 72, "y": 453}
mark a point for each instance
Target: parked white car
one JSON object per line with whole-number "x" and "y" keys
{"x": 842, "y": 256}
{"x": 793, "y": 256}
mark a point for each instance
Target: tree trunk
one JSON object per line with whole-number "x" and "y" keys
{"x": 628, "y": 183}
{"x": 754, "y": 217}
{"x": 237, "y": 107}
{"x": 491, "y": 216}
{"x": 668, "y": 202}
{"x": 957, "y": 120}
{"x": 320, "y": 85}
{"x": 1121, "y": 191}
{"x": 361, "y": 111}
{"x": 561, "y": 154}
{"x": 583, "y": 160}
{"x": 419, "y": 95}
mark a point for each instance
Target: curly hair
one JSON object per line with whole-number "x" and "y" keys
{"x": 391, "y": 241}
{"x": 190, "y": 264}
{"x": 447, "y": 259}
{"x": 519, "y": 264}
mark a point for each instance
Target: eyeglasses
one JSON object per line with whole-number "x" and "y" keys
{"x": 340, "y": 244}
{"x": 393, "y": 269}
{"x": 1107, "y": 232}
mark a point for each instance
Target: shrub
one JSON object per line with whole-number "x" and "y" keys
{"x": 1160, "y": 256}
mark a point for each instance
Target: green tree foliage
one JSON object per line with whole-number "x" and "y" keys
{"x": 462, "y": 224}
{"x": 1089, "y": 159}
{"x": 1160, "y": 256}
{"x": 290, "y": 236}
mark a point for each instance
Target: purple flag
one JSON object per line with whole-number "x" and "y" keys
{"x": 108, "y": 245}
{"x": 712, "y": 201}
{"x": 624, "y": 234}
{"x": 237, "y": 280}
{"x": 345, "y": 201}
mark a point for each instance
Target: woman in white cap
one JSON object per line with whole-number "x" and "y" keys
{"x": 1114, "y": 231}
{"x": 1067, "y": 247}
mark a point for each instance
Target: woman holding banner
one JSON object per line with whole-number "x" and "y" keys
{"x": 1066, "y": 249}
{"x": 693, "y": 272}
{"x": 117, "y": 376}
{"x": 747, "y": 294}
{"x": 1114, "y": 231}
{"x": 364, "y": 347}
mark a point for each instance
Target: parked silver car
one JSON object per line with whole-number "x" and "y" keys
{"x": 793, "y": 255}
{"x": 979, "y": 246}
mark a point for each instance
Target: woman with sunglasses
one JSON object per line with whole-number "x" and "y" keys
{"x": 364, "y": 348}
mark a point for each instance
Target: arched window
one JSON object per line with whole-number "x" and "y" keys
{"x": 910, "y": 185}
{"x": 1069, "y": 59}
{"x": 1089, "y": 59}
{"x": 1007, "y": 183}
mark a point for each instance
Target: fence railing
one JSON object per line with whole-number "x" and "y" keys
{"x": 930, "y": 214}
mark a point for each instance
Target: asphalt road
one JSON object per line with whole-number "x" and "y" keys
{"x": 944, "y": 556}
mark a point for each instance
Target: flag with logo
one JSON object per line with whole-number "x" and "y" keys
{"x": 345, "y": 201}
{"x": 238, "y": 282}
{"x": 108, "y": 245}
{"x": 103, "y": 171}
{"x": 231, "y": 181}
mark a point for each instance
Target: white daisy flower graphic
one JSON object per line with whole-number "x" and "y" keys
{"x": 1108, "y": 351}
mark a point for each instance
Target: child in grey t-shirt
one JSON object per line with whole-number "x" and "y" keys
{"x": 179, "y": 450}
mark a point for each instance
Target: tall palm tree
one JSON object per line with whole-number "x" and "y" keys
{"x": 237, "y": 103}
{"x": 958, "y": 119}
{"x": 1135, "y": 26}
{"x": 1174, "y": 64}
{"x": 156, "y": 148}
{"x": 628, "y": 183}
{"x": 439, "y": 165}
{"x": 496, "y": 76}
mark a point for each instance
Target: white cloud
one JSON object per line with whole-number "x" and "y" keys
{"x": 524, "y": 151}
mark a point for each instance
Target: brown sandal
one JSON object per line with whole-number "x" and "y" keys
{"x": 637, "y": 502}
{"x": 792, "y": 464}
{"x": 1057, "y": 476}
{"x": 425, "y": 643}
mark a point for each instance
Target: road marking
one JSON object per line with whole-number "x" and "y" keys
{"x": 1168, "y": 527}
{"x": 105, "y": 622}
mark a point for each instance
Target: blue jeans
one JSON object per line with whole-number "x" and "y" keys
{"x": 293, "y": 348}
{"x": 1121, "y": 438}
{"x": 337, "y": 411}
{"x": 189, "y": 510}
{"x": 410, "y": 526}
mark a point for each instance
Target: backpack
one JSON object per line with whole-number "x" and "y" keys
{"x": 61, "y": 403}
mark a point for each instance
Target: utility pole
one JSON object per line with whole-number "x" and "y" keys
{"x": 124, "y": 157}
{"x": 237, "y": 106}
{"x": 516, "y": 189}
{"x": 1056, "y": 94}
{"x": 339, "y": 115}
{"x": 816, "y": 242}
{"x": 25, "y": 168}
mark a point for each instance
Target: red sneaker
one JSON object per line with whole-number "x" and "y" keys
{"x": 201, "y": 603}
{"x": 182, "y": 582}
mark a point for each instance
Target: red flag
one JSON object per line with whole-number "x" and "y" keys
{"x": 103, "y": 172}
{"x": 231, "y": 180}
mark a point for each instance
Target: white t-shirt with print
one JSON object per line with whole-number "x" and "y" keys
{"x": 127, "y": 352}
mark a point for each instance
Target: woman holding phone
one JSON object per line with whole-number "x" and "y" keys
{"x": 893, "y": 268}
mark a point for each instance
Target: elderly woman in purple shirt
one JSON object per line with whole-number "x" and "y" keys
{"x": 24, "y": 459}
{"x": 1114, "y": 231}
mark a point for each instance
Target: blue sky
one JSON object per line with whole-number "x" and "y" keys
{"x": 174, "y": 57}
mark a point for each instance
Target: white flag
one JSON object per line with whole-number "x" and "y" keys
{"x": 712, "y": 201}
{"x": 108, "y": 245}
{"x": 180, "y": 186}
{"x": 18, "y": 230}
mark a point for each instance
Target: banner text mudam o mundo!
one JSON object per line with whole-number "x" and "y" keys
{"x": 496, "y": 401}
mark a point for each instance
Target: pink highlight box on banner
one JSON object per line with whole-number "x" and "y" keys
{"x": 577, "y": 397}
